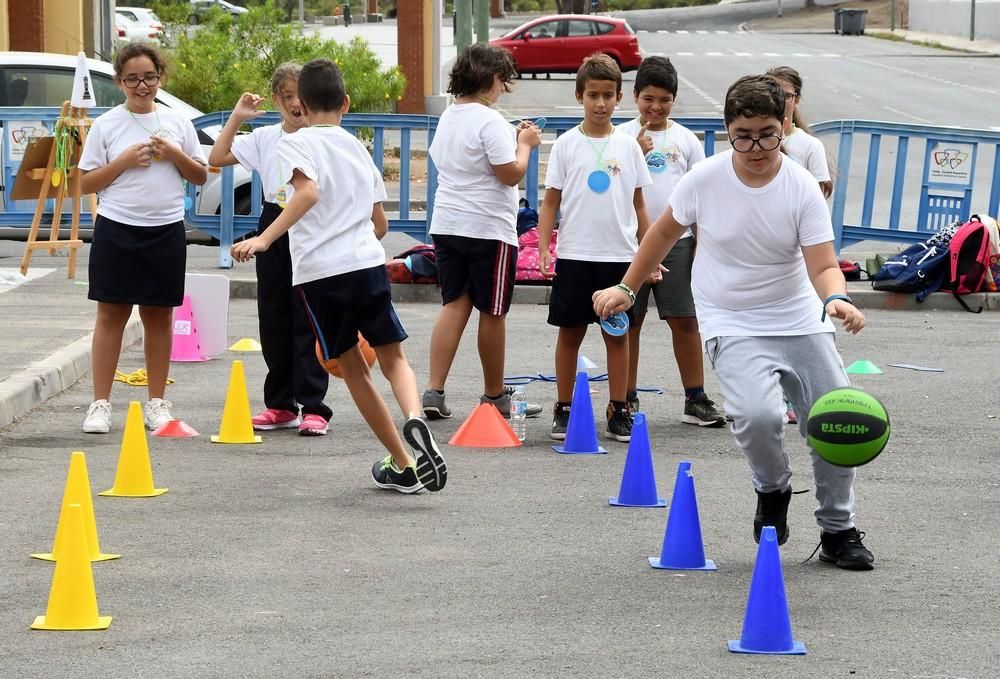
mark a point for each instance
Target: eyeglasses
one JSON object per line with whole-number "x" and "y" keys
{"x": 790, "y": 95}
{"x": 766, "y": 142}
{"x": 133, "y": 81}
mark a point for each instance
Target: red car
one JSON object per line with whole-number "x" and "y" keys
{"x": 560, "y": 43}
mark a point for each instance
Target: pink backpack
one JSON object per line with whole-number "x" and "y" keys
{"x": 527, "y": 256}
{"x": 969, "y": 254}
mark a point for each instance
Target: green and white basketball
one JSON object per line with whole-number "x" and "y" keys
{"x": 848, "y": 427}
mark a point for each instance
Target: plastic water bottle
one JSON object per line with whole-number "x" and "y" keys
{"x": 519, "y": 413}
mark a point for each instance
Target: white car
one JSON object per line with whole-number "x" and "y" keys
{"x": 140, "y": 24}
{"x": 40, "y": 79}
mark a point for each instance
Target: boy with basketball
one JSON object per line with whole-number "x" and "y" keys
{"x": 765, "y": 280}
{"x": 338, "y": 268}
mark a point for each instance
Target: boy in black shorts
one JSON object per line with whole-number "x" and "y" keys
{"x": 338, "y": 268}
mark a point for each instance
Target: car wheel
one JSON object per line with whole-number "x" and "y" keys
{"x": 241, "y": 203}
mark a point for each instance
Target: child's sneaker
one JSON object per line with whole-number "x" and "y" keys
{"x": 789, "y": 416}
{"x": 431, "y": 469}
{"x": 772, "y": 510}
{"x": 619, "y": 423}
{"x": 156, "y": 413}
{"x": 702, "y": 411}
{"x": 633, "y": 401}
{"x": 434, "y": 406}
{"x": 272, "y": 418}
{"x": 560, "y": 421}
{"x": 313, "y": 425}
{"x": 385, "y": 475}
{"x": 502, "y": 403}
{"x": 98, "y": 417}
{"x": 845, "y": 550}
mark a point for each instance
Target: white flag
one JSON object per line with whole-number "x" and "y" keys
{"x": 83, "y": 88}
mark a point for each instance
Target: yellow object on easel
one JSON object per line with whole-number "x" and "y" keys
{"x": 58, "y": 178}
{"x": 134, "y": 477}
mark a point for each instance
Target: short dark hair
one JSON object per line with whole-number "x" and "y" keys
{"x": 475, "y": 68}
{"x": 753, "y": 96}
{"x": 598, "y": 67}
{"x": 321, "y": 86}
{"x": 656, "y": 71}
{"x": 138, "y": 49}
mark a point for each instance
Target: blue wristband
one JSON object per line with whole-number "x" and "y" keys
{"x": 832, "y": 298}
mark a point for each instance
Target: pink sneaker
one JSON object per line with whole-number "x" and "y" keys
{"x": 313, "y": 425}
{"x": 273, "y": 418}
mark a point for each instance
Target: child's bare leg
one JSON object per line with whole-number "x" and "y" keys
{"x": 492, "y": 349}
{"x": 446, "y": 337}
{"x": 358, "y": 379}
{"x": 106, "y": 347}
{"x": 618, "y": 358}
{"x": 158, "y": 337}
{"x": 392, "y": 361}
{"x": 687, "y": 350}
{"x": 633, "y": 352}
{"x": 567, "y": 351}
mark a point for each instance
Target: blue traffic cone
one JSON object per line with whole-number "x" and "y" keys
{"x": 581, "y": 434}
{"x": 638, "y": 487}
{"x": 683, "y": 549}
{"x": 767, "y": 628}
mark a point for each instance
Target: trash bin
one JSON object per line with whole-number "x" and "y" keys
{"x": 836, "y": 20}
{"x": 852, "y": 21}
{"x": 347, "y": 14}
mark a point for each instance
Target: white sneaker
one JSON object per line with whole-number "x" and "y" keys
{"x": 98, "y": 417}
{"x": 156, "y": 412}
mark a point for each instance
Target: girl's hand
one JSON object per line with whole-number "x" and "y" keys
{"x": 164, "y": 149}
{"x": 248, "y": 106}
{"x": 138, "y": 155}
{"x": 246, "y": 249}
{"x": 528, "y": 133}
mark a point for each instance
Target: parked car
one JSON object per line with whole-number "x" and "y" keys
{"x": 199, "y": 8}
{"x": 560, "y": 43}
{"x": 145, "y": 24}
{"x": 39, "y": 79}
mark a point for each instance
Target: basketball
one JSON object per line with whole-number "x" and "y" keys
{"x": 848, "y": 427}
{"x": 333, "y": 367}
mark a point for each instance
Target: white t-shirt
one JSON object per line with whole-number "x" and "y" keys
{"x": 257, "y": 151}
{"x": 675, "y": 150}
{"x": 597, "y": 227}
{"x": 337, "y": 234}
{"x": 749, "y": 276}
{"x": 470, "y": 200}
{"x": 807, "y": 151}
{"x": 140, "y": 196}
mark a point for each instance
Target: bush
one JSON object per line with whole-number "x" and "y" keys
{"x": 212, "y": 67}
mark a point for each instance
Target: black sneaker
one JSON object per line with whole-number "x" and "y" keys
{"x": 633, "y": 402}
{"x": 560, "y": 420}
{"x": 619, "y": 423}
{"x": 702, "y": 411}
{"x": 772, "y": 510}
{"x": 844, "y": 550}
{"x": 385, "y": 475}
{"x": 431, "y": 469}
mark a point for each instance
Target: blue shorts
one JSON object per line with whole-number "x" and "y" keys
{"x": 341, "y": 306}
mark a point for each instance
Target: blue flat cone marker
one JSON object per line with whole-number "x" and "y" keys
{"x": 767, "y": 627}
{"x": 638, "y": 487}
{"x": 683, "y": 549}
{"x": 581, "y": 434}
{"x": 584, "y": 363}
{"x": 863, "y": 368}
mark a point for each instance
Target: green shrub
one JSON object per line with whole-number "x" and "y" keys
{"x": 211, "y": 67}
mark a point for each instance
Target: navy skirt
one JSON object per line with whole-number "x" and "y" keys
{"x": 137, "y": 264}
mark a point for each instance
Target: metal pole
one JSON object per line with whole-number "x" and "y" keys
{"x": 972, "y": 21}
{"x": 482, "y": 13}
{"x": 779, "y": 7}
{"x": 302, "y": 16}
{"x": 892, "y": 15}
{"x": 463, "y": 24}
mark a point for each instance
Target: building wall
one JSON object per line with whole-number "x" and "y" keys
{"x": 952, "y": 17}
{"x": 4, "y": 27}
{"x": 64, "y": 26}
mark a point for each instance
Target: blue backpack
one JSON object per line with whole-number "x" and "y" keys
{"x": 921, "y": 268}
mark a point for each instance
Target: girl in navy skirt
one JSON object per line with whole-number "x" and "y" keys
{"x": 137, "y": 157}
{"x": 294, "y": 375}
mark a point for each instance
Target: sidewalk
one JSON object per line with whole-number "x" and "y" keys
{"x": 45, "y": 345}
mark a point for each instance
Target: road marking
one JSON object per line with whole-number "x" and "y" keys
{"x": 682, "y": 32}
{"x": 994, "y": 127}
{"x": 685, "y": 54}
{"x": 772, "y": 54}
{"x": 908, "y": 115}
{"x": 663, "y": 32}
{"x": 702, "y": 32}
{"x": 722, "y": 32}
{"x": 742, "y": 54}
{"x": 801, "y": 54}
{"x": 830, "y": 54}
{"x": 856, "y": 96}
{"x": 714, "y": 54}
{"x": 700, "y": 92}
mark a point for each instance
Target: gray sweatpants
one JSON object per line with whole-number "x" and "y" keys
{"x": 752, "y": 373}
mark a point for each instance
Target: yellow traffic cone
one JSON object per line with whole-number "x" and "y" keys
{"x": 246, "y": 344}
{"x": 77, "y": 493}
{"x": 135, "y": 475}
{"x": 236, "y": 426}
{"x": 72, "y": 599}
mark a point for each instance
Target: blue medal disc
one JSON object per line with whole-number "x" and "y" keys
{"x": 599, "y": 181}
{"x": 540, "y": 123}
{"x": 615, "y": 324}
{"x": 188, "y": 203}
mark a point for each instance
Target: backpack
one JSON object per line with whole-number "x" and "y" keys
{"x": 969, "y": 260}
{"x": 920, "y": 268}
{"x": 851, "y": 270}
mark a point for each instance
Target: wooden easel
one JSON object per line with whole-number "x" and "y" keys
{"x": 75, "y": 120}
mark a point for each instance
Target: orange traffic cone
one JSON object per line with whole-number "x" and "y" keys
{"x": 134, "y": 477}
{"x": 77, "y": 493}
{"x": 236, "y": 426}
{"x": 72, "y": 598}
{"x": 175, "y": 429}
{"x": 485, "y": 428}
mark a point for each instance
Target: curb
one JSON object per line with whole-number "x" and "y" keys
{"x": 53, "y": 375}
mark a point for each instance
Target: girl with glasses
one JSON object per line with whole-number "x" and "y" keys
{"x": 799, "y": 143}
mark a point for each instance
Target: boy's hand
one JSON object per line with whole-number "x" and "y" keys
{"x": 528, "y": 133}
{"x": 853, "y": 319}
{"x": 246, "y": 249}
{"x": 645, "y": 141}
{"x": 610, "y": 301}
{"x": 545, "y": 264}
{"x": 164, "y": 149}
{"x": 248, "y": 106}
{"x": 138, "y": 155}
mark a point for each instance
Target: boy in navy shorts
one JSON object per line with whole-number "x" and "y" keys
{"x": 595, "y": 176}
{"x": 338, "y": 268}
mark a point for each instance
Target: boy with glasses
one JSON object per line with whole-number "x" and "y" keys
{"x": 766, "y": 283}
